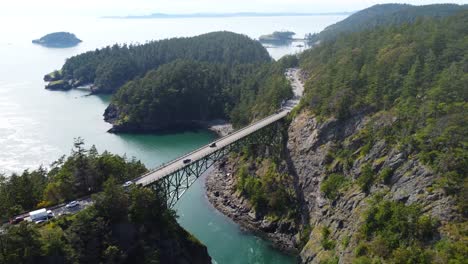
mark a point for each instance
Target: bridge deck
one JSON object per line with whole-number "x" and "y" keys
{"x": 204, "y": 151}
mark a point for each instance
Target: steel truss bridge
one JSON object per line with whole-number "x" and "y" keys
{"x": 176, "y": 177}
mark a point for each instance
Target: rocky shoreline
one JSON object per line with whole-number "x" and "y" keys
{"x": 220, "y": 189}
{"x": 221, "y": 127}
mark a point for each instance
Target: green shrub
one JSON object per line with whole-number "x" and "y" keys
{"x": 411, "y": 255}
{"x": 393, "y": 227}
{"x": 326, "y": 243}
{"x": 332, "y": 184}
{"x": 454, "y": 252}
{"x": 304, "y": 235}
{"x": 267, "y": 193}
{"x": 366, "y": 178}
{"x": 345, "y": 241}
{"x": 330, "y": 260}
{"x": 361, "y": 250}
{"x": 386, "y": 175}
{"x": 363, "y": 260}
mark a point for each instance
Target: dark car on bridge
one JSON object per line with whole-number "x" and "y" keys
{"x": 213, "y": 145}
{"x": 187, "y": 161}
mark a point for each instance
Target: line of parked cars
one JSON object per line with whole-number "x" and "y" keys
{"x": 41, "y": 215}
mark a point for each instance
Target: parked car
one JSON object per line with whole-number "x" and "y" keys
{"x": 213, "y": 145}
{"x": 16, "y": 220}
{"x": 186, "y": 161}
{"x": 39, "y": 214}
{"x": 72, "y": 204}
{"x": 127, "y": 184}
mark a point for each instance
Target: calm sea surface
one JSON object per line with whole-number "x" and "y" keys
{"x": 38, "y": 126}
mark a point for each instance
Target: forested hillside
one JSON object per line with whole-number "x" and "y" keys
{"x": 183, "y": 93}
{"x": 385, "y": 15}
{"x": 132, "y": 226}
{"x": 111, "y": 67}
{"x": 398, "y": 96}
{"x": 122, "y": 226}
{"x": 418, "y": 74}
{"x": 376, "y": 154}
{"x": 80, "y": 174}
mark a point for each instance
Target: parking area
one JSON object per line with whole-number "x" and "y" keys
{"x": 63, "y": 210}
{"x": 57, "y": 211}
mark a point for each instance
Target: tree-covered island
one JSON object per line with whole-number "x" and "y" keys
{"x": 278, "y": 38}
{"x": 180, "y": 82}
{"x": 58, "y": 40}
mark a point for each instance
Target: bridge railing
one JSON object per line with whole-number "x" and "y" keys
{"x": 202, "y": 147}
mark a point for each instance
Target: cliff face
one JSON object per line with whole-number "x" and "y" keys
{"x": 310, "y": 145}
{"x": 311, "y": 155}
{"x": 223, "y": 194}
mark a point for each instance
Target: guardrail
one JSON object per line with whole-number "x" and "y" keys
{"x": 203, "y": 147}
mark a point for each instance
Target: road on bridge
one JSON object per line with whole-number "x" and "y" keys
{"x": 293, "y": 76}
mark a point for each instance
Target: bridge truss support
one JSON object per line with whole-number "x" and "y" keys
{"x": 174, "y": 185}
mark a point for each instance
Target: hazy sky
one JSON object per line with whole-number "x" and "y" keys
{"x": 138, "y": 7}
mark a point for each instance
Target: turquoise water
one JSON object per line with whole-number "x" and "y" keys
{"x": 227, "y": 243}
{"x": 38, "y": 126}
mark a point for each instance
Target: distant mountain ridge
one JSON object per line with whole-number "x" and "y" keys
{"x": 214, "y": 15}
{"x": 383, "y": 15}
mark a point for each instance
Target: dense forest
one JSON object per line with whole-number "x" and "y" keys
{"x": 183, "y": 92}
{"x": 180, "y": 82}
{"x": 121, "y": 226}
{"x": 412, "y": 83}
{"x": 385, "y": 15}
{"x": 80, "y": 174}
{"x": 111, "y": 67}
{"x": 416, "y": 73}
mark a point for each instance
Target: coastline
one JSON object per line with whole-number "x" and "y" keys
{"x": 219, "y": 187}
{"x": 220, "y": 127}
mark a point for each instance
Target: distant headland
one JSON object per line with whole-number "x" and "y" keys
{"x": 58, "y": 40}
{"x": 278, "y": 37}
{"x": 214, "y": 15}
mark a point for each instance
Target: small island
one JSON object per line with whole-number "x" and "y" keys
{"x": 278, "y": 37}
{"x": 58, "y": 40}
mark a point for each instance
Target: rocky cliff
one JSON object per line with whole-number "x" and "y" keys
{"x": 311, "y": 144}
{"x": 314, "y": 151}
{"x": 375, "y": 152}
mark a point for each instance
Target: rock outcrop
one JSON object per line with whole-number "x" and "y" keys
{"x": 222, "y": 194}
{"x": 309, "y": 146}
{"x": 310, "y": 142}
{"x": 59, "y": 85}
